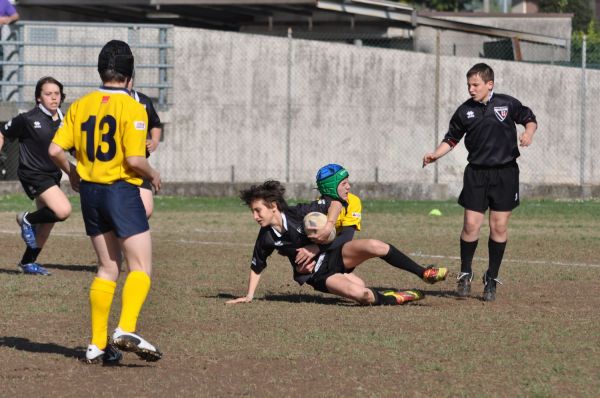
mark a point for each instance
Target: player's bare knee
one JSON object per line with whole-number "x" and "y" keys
{"x": 471, "y": 229}
{"x": 63, "y": 212}
{"x": 377, "y": 247}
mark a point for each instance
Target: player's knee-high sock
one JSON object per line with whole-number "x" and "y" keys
{"x": 30, "y": 255}
{"x": 102, "y": 292}
{"x": 135, "y": 292}
{"x": 496, "y": 250}
{"x": 45, "y": 215}
{"x": 467, "y": 252}
{"x": 399, "y": 260}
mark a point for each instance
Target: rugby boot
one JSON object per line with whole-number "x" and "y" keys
{"x": 27, "y": 230}
{"x": 401, "y": 297}
{"x": 433, "y": 275}
{"x": 489, "y": 287}
{"x": 463, "y": 287}
{"x": 109, "y": 356}
{"x": 132, "y": 342}
{"x": 33, "y": 269}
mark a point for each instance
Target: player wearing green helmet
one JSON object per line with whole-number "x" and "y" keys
{"x": 329, "y": 178}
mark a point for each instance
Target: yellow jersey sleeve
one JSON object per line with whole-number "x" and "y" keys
{"x": 351, "y": 215}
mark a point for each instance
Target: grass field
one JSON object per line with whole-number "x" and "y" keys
{"x": 541, "y": 338}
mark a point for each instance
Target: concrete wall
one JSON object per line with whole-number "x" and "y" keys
{"x": 245, "y": 108}
{"x": 372, "y": 110}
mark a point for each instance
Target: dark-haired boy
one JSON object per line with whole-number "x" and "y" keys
{"x": 107, "y": 129}
{"x": 491, "y": 178}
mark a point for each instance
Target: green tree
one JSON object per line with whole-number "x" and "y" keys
{"x": 592, "y": 46}
{"x": 581, "y": 10}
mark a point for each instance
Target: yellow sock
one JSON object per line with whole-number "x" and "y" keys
{"x": 102, "y": 292}
{"x": 135, "y": 292}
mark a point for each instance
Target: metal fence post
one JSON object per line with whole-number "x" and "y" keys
{"x": 289, "y": 107}
{"x": 436, "y": 104}
{"x": 162, "y": 70}
{"x": 582, "y": 135}
{"x": 21, "y": 57}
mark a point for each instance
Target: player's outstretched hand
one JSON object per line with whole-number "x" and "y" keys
{"x": 238, "y": 300}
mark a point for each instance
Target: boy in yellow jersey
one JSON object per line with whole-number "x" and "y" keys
{"x": 107, "y": 130}
{"x": 332, "y": 181}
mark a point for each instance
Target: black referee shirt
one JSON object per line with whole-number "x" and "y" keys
{"x": 491, "y": 134}
{"x": 34, "y": 130}
{"x": 291, "y": 239}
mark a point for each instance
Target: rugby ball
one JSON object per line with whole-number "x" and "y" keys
{"x": 315, "y": 220}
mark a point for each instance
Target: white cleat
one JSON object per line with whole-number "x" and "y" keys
{"x": 109, "y": 356}
{"x": 132, "y": 342}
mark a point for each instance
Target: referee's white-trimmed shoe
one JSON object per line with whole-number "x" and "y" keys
{"x": 109, "y": 356}
{"x": 132, "y": 342}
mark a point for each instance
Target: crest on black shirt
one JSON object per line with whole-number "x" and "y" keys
{"x": 501, "y": 112}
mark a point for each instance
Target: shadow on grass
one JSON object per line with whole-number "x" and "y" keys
{"x": 64, "y": 267}
{"x": 72, "y": 267}
{"x": 294, "y": 298}
{"x": 10, "y": 271}
{"x": 23, "y": 344}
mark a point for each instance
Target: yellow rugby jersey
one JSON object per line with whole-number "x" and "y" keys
{"x": 350, "y": 215}
{"x": 105, "y": 127}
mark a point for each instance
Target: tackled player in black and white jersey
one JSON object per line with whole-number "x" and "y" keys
{"x": 330, "y": 271}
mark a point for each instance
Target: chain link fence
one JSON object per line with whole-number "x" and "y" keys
{"x": 281, "y": 107}
{"x": 246, "y": 107}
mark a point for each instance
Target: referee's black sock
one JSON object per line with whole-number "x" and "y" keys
{"x": 400, "y": 260}
{"x": 496, "y": 250}
{"x": 467, "y": 252}
{"x": 30, "y": 255}
{"x": 45, "y": 215}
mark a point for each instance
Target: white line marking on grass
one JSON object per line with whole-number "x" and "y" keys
{"x": 418, "y": 254}
{"x": 537, "y": 262}
{"x": 155, "y": 235}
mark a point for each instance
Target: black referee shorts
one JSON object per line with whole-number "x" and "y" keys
{"x": 332, "y": 264}
{"x": 496, "y": 188}
{"x": 35, "y": 183}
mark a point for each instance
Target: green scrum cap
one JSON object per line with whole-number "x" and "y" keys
{"x": 328, "y": 179}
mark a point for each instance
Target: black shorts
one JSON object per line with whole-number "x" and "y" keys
{"x": 146, "y": 184}
{"x": 35, "y": 183}
{"x": 493, "y": 187}
{"x": 333, "y": 263}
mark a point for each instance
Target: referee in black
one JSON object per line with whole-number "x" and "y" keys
{"x": 491, "y": 178}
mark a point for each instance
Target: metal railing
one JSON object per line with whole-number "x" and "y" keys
{"x": 69, "y": 51}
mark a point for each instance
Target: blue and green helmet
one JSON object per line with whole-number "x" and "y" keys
{"x": 328, "y": 179}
